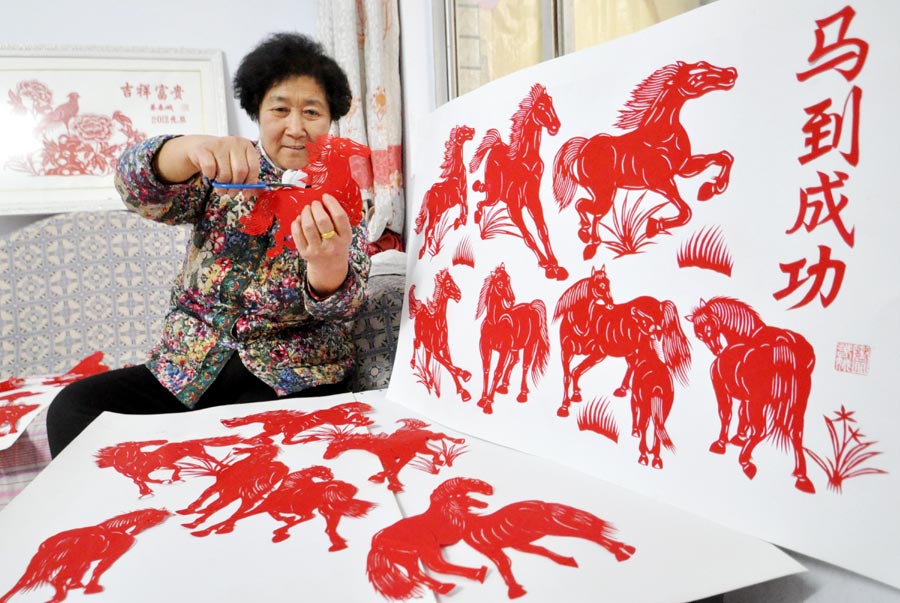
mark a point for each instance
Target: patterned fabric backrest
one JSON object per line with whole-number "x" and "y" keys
{"x": 76, "y": 283}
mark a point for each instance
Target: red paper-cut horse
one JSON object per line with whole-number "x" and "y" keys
{"x": 394, "y": 450}
{"x": 328, "y": 172}
{"x": 291, "y": 423}
{"x": 593, "y": 326}
{"x": 648, "y": 157}
{"x": 445, "y": 194}
{"x": 767, "y": 369}
{"x": 63, "y": 560}
{"x": 430, "y": 332}
{"x": 247, "y": 480}
{"x": 510, "y": 329}
{"x": 393, "y": 564}
{"x": 513, "y": 171}
{"x": 303, "y": 492}
{"x": 131, "y": 460}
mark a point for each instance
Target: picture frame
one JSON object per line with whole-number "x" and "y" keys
{"x": 68, "y": 112}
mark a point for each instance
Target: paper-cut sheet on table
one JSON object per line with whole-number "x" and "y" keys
{"x": 719, "y": 291}
{"x": 23, "y": 398}
{"x": 314, "y": 521}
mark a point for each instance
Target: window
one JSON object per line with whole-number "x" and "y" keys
{"x": 487, "y": 39}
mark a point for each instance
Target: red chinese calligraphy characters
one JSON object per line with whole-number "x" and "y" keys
{"x": 824, "y": 132}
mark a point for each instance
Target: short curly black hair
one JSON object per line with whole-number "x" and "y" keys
{"x": 285, "y": 55}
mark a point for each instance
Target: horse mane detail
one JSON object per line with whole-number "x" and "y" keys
{"x": 571, "y": 296}
{"x": 734, "y": 314}
{"x": 451, "y": 160}
{"x": 518, "y": 118}
{"x": 644, "y": 95}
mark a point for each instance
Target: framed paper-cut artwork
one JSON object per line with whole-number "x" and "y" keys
{"x": 67, "y": 113}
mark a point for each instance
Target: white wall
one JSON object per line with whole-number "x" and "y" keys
{"x": 228, "y": 25}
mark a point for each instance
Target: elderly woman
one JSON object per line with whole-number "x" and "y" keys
{"x": 243, "y": 327}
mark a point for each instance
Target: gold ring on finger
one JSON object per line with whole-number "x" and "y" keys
{"x": 328, "y": 235}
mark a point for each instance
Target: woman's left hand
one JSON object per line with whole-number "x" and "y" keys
{"x": 322, "y": 233}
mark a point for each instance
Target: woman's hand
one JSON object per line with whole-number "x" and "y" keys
{"x": 224, "y": 158}
{"x": 322, "y": 233}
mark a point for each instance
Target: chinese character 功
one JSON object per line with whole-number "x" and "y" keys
{"x": 818, "y": 273}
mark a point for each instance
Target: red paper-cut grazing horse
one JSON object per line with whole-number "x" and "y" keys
{"x": 394, "y": 450}
{"x": 63, "y": 560}
{"x": 510, "y": 329}
{"x": 328, "y": 172}
{"x": 768, "y": 370}
{"x": 648, "y": 157}
{"x": 431, "y": 332}
{"x": 131, "y": 460}
{"x": 447, "y": 193}
{"x": 593, "y": 326}
{"x": 247, "y": 480}
{"x": 291, "y": 423}
{"x": 397, "y": 550}
{"x": 303, "y": 492}
{"x": 512, "y": 174}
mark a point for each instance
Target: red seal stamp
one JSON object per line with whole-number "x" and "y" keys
{"x": 852, "y": 358}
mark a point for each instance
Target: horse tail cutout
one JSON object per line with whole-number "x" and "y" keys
{"x": 657, "y": 415}
{"x": 423, "y": 214}
{"x": 564, "y": 182}
{"x": 487, "y": 143}
{"x": 387, "y": 578}
{"x": 675, "y": 345}
{"x": 542, "y": 345}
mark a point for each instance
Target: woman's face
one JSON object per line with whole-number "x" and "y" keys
{"x": 292, "y": 113}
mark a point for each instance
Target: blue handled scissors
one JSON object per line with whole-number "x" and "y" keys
{"x": 256, "y": 185}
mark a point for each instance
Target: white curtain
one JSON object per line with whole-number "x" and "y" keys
{"x": 364, "y": 37}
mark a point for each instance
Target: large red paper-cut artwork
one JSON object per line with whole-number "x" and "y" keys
{"x": 767, "y": 370}
{"x": 510, "y": 330}
{"x": 63, "y": 560}
{"x": 328, "y": 172}
{"x": 512, "y": 175}
{"x": 133, "y": 461}
{"x": 445, "y": 194}
{"x": 431, "y": 334}
{"x": 290, "y": 424}
{"x": 648, "y": 157}
{"x": 397, "y": 450}
{"x": 74, "y": 143}
{"x": 393, "y": 564}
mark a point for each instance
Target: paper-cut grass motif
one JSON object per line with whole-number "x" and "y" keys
{"x": 63, "y": 560}
{"x": 401, "y": 550}
{"x": 628, "y": 228}
{"x": 849, "y": 451}
{"x": 464, "y": 255}
{"x": 596, "y": 416}
{"x": 706, "y": 249}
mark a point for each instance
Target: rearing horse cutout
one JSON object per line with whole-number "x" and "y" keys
{"x": 430, "y": 332}
{"x": 512, "y": 174}
{"x": 646, "y": 158}
{"x": 445, "y": 194}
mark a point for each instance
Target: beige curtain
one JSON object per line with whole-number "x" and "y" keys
{"x": 364, "y": 37}
{"x": 595, "y": 22}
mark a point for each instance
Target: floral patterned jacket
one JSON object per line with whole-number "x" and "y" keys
{"x": 230, "y": 298}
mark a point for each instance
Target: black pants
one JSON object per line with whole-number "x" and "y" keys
{"x": 135, "y": 391}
